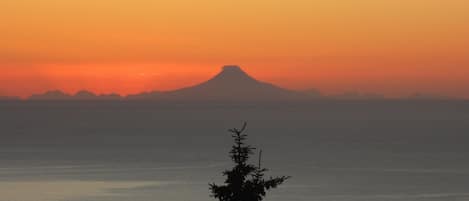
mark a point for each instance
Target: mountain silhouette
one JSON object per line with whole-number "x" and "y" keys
{"x": 81, "y": 95}
{"x": 84, "y": 95}
{"x": 51, "y": 95}
{"x": 231, "y": 84}
{"x": 87, "y": 95}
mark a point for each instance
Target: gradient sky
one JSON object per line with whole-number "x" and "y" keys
{"x": 393, "y": 47}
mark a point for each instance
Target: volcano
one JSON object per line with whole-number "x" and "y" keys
{"x": 231, "y": 84}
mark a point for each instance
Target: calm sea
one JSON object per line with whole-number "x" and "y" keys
{"x": 154, "y": 151}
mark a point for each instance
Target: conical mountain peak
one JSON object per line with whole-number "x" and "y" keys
{"x": 232, "y": 74}
{"x": 231, "y": 84}
{"x": 232, "y": 69}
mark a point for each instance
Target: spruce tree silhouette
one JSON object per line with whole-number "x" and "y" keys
{"x": 244, "y": 182}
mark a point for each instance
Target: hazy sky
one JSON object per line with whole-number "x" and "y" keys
{"x": 395, "y": 47}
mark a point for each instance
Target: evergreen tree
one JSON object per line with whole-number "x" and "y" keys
{"x": 244, "y": 182}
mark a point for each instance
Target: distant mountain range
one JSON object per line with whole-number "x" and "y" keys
{"x": 81, "y": 95}
{"x": 231, "y": 84}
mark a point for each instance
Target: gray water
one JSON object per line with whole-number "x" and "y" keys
{"x": 150, "y": 151}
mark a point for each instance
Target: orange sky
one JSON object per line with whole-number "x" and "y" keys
{"x": 393, "y": 47}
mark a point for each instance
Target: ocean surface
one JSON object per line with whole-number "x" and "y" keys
{"x": 157, "y": 151}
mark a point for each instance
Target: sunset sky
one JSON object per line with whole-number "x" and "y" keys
{"x": 392, "y": 47}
